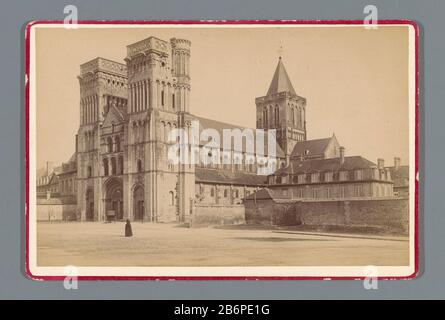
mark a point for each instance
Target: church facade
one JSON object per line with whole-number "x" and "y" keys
{"x": 127, "y": 110}
{"x": 126, "y": 113}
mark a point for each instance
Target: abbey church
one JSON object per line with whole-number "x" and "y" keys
{"x": 121, "y": 168}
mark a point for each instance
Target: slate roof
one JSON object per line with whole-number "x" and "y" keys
{"x": 320, "y": 165}
{"x": 262, "y": 194}
{"x": 219, "y": 126}
{"x": 228, "y": 177}
{"x": 69, "y": 166}
{"x": 310, "y": 147}
{"x": 53, "y": 178}
{"x": 280, "y": 81}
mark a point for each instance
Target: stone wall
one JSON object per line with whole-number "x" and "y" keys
{"x": 390, "y": 214}
{"x": 284, "y": 213}
{"x": 385, "y": 214}
{"x": 56, "y": 209}
{"x": 222, "y": 194}
{"x": 218, "y": 215}
{"x": 260, "y": 211}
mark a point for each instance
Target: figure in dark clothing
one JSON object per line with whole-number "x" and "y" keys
{"x": 128, "y": 231}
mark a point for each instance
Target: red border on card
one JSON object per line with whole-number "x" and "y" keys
{"x": 224, "y": 22}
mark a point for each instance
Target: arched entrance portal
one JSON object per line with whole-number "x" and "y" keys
{"x": 114, "y": 204}
{"x": 89, "y": 208}
{"x": 138, "y": 203}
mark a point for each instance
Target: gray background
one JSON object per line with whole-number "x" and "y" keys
{"x": 429, "y": 15}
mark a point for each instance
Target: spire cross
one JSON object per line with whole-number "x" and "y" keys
{"x": 280, "y": 51}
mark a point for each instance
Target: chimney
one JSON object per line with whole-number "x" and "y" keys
{"x": 396, "y": 163}
{"x": 380, "y": 163}
{"x": 342, "y": 155}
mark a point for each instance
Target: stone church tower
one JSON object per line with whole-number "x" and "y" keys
{"x": 282, "y": 109}
{"x": 103, "y": 90}
{"x": 127, "y": 113}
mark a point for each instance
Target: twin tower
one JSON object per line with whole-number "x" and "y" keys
{"x": 126, "y": 113}
{"x": 156, "y": 75}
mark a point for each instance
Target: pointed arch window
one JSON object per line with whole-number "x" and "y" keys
{"x": 265, "y": 117}
{"x": 139, "y": 165}
{"x": 277, "y": 116}
{"x": 270, "y": 116}
{"x": 301, "y": 116}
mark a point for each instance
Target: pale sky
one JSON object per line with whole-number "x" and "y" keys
{"x": 355, "y": 80}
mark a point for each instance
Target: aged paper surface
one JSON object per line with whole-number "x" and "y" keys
{"x": 242, "y": 150}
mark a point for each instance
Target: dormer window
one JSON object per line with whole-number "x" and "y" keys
{"x": 301, "y": 178}
{"x": 328, "y": 176}
{"x": 343, "y": 175}
{"x": 314, "y": 177}
{"x": 358, "y": 174}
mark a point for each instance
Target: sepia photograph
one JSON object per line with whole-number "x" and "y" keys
{"x": 212, "y": 150}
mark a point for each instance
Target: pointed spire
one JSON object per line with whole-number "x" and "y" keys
{"x": 280, "y": 81}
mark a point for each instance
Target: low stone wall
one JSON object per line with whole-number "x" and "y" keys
{"x": 218, "y": 215}
{"x": 389, "y": 214}
{"x": 386, "y": 214}
{"x": 56, "y": 209}
{"x": 260, "y": 212}
{"x": 269, "y": 212}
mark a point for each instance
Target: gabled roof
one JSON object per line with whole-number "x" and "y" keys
{"x": 57, "y": 169}
{"x": 280, "y": 81}
{"x": 114, "y": 115}
{"x": 219, "y": 126}
{"x": 262, "y": 194}
{"x": 310, "y": 148}
{"x": 320, "y": 165}
{"x": 53, "y": 178}
{"x": 223, "y": 176}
